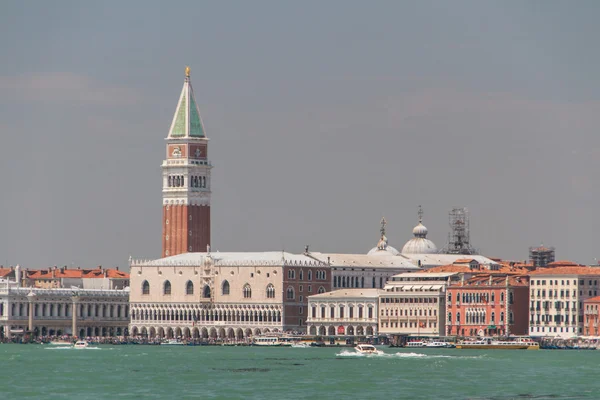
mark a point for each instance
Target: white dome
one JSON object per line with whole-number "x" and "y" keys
{"x": 420, "y": 230}
{"x": 387, "y": 251}
{"x": 419, "y": 245}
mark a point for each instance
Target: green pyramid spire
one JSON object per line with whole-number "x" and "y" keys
{"x": 187, "y": 121}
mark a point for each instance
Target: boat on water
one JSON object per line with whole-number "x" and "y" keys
{"x": 300, "y": 345}
{"x": 438, "y": 344}
{"x": 416, "y": 343}
{"x": 269, "y": 341}
{"x": 493, "y": 344}
{"x": 172, "y": 342}
{"x": 367, "y": 349}
{"x": 60, "y": 343}
{"x": 80, "y": 344}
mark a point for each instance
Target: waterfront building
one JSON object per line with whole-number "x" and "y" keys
{"x": 591, "y": 316}
{"x": 488, "y": 306}
{"x": 224, "y": 295}
{"x": 186, "y": 175}
{"x": 55, "y": 311}
{"x": 557, "y": 295}
{"x": 344, "y": 312}
{"x": 414, "y": 304}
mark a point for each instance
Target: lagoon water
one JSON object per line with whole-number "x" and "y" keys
{"x": 185, "y": 372}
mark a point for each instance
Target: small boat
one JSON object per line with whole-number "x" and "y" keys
{"x": 492, "y": 344}
{"x": 367, "y": 349}
{"x": 300, "y": 345}
{"x": 60, "y": 343}
{"x": 80, "y": 344}
{"x": 172, "y": 342}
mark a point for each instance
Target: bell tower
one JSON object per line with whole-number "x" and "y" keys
{"x": 186, "y": 179}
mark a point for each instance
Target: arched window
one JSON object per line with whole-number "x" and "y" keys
{"x": 321, "y": 290}
{"x": 458, "y": 318}
{"x": 225, "y": 288}
{"x": 270, "y": 291}
{"x": 167, "y": 287}
{"x": 206, "y": 292}
{"x": 309, "y": 275}
{"x": 290, "y": 293}
{"x": 502, "y": 296}
{"x": 493, "y": 317}
{"x": 501, "y": 317}
{"x": 189, "y": 287}
{"x": 450, "y": 317}
{"x": 145, "y": 287}
{"x": 247, "y": 291}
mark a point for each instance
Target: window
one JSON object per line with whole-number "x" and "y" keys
{"x": 225, "y": 288}
{"x": 501, "y": 317}
{"x": 291, "y": 274}
{"x": 314, "y": 312}
{"x": 206, "y": 292}
{"x": 189, "y": 287}
{"x": 309, "y": 288}
{"x": 270, "y": 291}
{"x": 300, "y": 288}
{"x": 301, "y": 275}
{"x": 290, "y": 293}
{"x": 321, "y": 290}
{"x": 247, "y": 291}
{"x": 458, "y": 318}
{"x": 310, "y": 275}
{"x": 301, "y": 298}
{"x": 145, "y": 288}
{"x": 167, "y": 287}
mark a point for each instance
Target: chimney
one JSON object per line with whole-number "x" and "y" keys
{"x": 117, "y": 268}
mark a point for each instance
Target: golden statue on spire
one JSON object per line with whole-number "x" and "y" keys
{"x": 187, "y": 71}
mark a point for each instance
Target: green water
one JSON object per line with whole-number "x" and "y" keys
{"x": 182, "y": 372}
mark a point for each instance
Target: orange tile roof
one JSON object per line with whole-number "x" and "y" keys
{"x": 110, "y": 273}
{"x": 593, "y": 300}
{"x": 75, "y": 273}
{"x": 5, "y": 272}
{"x": 463, "y": 260}
{"x": 579, "y": 270}
{"x": 563, "y": 263}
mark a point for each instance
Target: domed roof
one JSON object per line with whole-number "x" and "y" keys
{"x": 382, "y": 248}
{"x": 420, "y": 230}
{"x": 420, "y": 244}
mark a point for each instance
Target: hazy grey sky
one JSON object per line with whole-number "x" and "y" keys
{"x": 323, "y": 117}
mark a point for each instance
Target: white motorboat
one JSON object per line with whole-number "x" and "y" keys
{"x": 367, "y": 349}
{"x": 172, "y": 342}
{"x": 60, "y": 343}
{"x": 80, "y": 344}
{"x": 300, "y": 345}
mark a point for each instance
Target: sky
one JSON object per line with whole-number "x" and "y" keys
{"x": 323, "y": 116}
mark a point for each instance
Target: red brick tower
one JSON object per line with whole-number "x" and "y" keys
{"x": 186, "y": 180}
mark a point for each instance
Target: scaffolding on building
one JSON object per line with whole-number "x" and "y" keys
{"x": 459, "y": 241}
{"x": 541, "y": 256}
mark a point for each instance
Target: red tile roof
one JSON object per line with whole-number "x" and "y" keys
{"x": 593, "y": 300}
{"x": 563, "y": 263}
{"x": 59, "y": 273}
{"x": 5, "y": 272}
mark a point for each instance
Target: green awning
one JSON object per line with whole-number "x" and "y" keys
{"x": 491, "y": 327}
